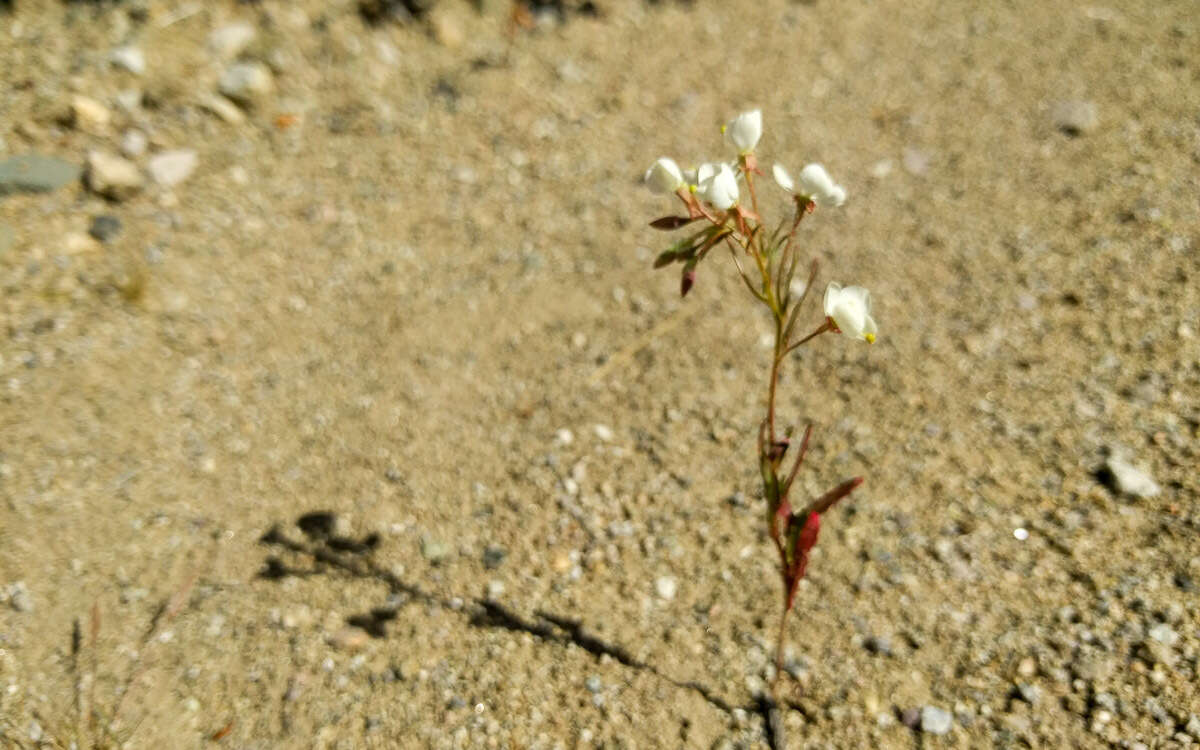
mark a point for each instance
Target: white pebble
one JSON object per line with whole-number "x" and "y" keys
{"x": 604, "y": 432}
{"x": 666, "y": 587}
{"x": 564, "y": 436}
{"x": 170, "y": 168}
{"x": 128, "y": 58}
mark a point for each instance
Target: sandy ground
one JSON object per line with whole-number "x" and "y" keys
{"x": 421, "y": 260}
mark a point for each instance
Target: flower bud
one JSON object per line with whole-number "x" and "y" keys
{"x": 850, "y": 311}
{"x": 743, "y": 131}
{"x": 664, "y": 176}
{"x": 814, "y": 184}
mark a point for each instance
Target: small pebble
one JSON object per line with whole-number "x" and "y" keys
{"x": 112, "y": 176}
{"x": 19, "y": 597}
{"x": 246, "y": 83}
{"x": 879, "y": 645}
{"x": 222, "y": 108}
{"x": 349, "y": 638}
{"x": 434, "y": 550}
{"x": 128, "y": 58}
{"x": 229, "y": 41}
{"x": 604, "y": 432}
{"x": 493, "y": 556}
{"x": 133, "y": 143}
{"x": 89, "y": 115}
{"x": 1125, "y": 478}
{"x": 564, "y": 436}
{"x": 170, "y": 168}
{"x": 1075, "y": 117}
{"x": 105, "y": 227}
{"x": 935, "y": 720}
{"x": 666, "y": 587}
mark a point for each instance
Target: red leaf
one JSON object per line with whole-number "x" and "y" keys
{"x": 829, "y": 499}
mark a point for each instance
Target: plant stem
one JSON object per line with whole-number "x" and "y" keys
{"x": 780, "y": 644}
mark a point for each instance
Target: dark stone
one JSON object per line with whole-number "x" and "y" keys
{"x": 105, "y": 227}
{"x": 493, "y": 557}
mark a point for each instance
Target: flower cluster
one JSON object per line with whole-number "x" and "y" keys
{"x": 721, "y": 197}
{"x": 712, "y": 191}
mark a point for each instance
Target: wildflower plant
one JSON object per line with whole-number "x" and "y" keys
{"x": 712, "y": 196}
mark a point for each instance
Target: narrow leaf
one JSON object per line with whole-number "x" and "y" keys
{"x": 667, "y": 223}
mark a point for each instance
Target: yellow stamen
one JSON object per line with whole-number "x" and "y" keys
{"x": 693, "y": 188}
{"x": 723, "y": 127}
{"x": 870, "y": 337}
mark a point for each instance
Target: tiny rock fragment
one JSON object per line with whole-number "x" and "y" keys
{"x": 128, "y": 58}
{"x": 666, "y": 587}
{"x": 230, "y": 40}
{"x": 170, "y": 168}
{"x": 78, "y": 243}
{"x": 936, "y": 720}
{"x": 111, "y": 176}
{"x": 246, "y": 83}
{"x": 349, "y": 638}
{"x": 89, "y": 115}
{"x": 1125, "y": 478}
{"x": 1075, "y": 117}
{"x": 222, "y": 108}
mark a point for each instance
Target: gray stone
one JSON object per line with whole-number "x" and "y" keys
{"x": 1127, "y": 479}
{"x": 111, "y": 176}
{"x": 935, "y": 720}
{"x": 128, "y": 58}
{"x": 105, "y": 227}
{"x": 246, "y": 83}
{"x": 1075, "y": 117}
{"x": 878, "y": 644}
{"x": 170, "y": 168}
{"x": 34, "y": 173}
{"x": 493, "y": 556}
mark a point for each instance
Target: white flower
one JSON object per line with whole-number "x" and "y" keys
{"x": 815, "y": 185}
{"x": 720, "y": 187}
{"x": 664, "y": 176}
{"x": 743, "y": 131}
{"x": 850, "y": 310}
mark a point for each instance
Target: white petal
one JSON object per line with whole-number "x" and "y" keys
{"x": 783, "y": 178}
{"x": 664, "y": 176}
{"x": 743, "y": 131}
{"x": 832, "y": 293}
{"x": 816, "y": 183}
{"x": 721, "y": 189}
